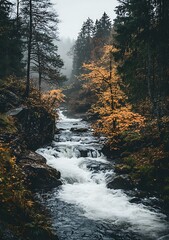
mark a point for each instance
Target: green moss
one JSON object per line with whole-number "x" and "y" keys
{"x": 146, "y": 170}
{"x": 131, "y": 162}
{"x": 130, "y": 136}
{"x": 7, "y": 124}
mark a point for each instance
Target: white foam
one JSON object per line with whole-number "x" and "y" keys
{"x": 89, "y": 191}
{"x": 100, "y": 203}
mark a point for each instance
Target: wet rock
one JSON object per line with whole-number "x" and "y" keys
{"x": 15, "y": 112}
{"x": 59, "y": 130}
{"x": 8, "y": 100}
{"x": 38, "y": 175}
{"x": 135, "y": 200}
{"x": 122, "y": 169}
{"x": 36, "y": 124}
{"x": 83, "y": 153}
{"x": 32, "y": 157}
{"x": 79, "y": 130}
{"x": 98, "y": 166}
{"x": 121, "y": 182}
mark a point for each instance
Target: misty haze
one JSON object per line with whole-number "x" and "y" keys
{"x": 64, "y": 49}
{"x": 84, "y": 120}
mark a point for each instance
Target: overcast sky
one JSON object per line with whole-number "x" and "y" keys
{"x": 72, "y": 14}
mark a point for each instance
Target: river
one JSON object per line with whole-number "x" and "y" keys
{"x": 83, "y": 208}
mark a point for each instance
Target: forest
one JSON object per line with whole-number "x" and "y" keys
{"x": 119, "y": 84}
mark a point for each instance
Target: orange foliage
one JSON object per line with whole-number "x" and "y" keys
{"x": 52, "y": 99}
{"x": 115, "y": 114}
{"x": 11, "y": 178}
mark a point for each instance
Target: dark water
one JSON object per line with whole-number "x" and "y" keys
{"x": 83, "y": 207}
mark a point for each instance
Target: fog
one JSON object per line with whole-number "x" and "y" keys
{"x": 72, "y": 14}
{"x": 64, "y": 48}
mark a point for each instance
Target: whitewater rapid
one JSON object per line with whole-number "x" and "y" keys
{"x": 85, "y": 172}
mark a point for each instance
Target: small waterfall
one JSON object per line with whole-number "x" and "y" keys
{"x": 84, "y": 195}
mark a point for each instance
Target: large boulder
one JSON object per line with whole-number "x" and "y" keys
{"x": 8, "y": 100}
{"x": 121, "y": 182}
{"x": 37, "y": 125}
{"x": 38, "y": 175}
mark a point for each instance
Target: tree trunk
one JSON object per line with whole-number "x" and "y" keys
{"x": 40, "y": 78}
{"x": 149, "y": 72}
{"x": 110, "y": 84}
{"x": 29, "y": 51}
{"x": 17, "y": 12}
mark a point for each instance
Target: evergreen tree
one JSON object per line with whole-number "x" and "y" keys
{"x": 10, "y": 42}
{"x": 90, "y": 41}
{"x": 46, "y": 60}
{"x": 135, "y": 33}
{"x": 83, "y": 47}
{"x": 41, "y": 31}
{"x": 142, "y": 40}
{"x": 103, "y": 27}
{"x": 102, "y": 31}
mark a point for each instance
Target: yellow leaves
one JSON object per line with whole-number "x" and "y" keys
{"x": 115, "y": 115}
{"x": 12, "y": 161}
{"x": 118, "y": 121}
{"x": 165, "y": 119}
{"x": 55, "y": 96}
{"x": 9, "y": 174}
{"x": 52, "y": 99}
{"x": 29, "y": 203}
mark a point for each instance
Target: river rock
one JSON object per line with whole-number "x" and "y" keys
{"x": 32, "y": 157}
{"x": 122, "y": 169}
{"x": 36, "y": 124}
{"x": 96, "y": 166}
{"x": 38, "y": 175}
{"x": 121, "y": 182}
{"x": 80, "y": 130}
{"x": 8, "y": 100}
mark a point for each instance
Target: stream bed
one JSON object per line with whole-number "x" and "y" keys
{"x": 83, "y": 208}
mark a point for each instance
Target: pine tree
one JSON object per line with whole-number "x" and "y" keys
{"x": 41, "y": 31}
{"x": 46, "y": 60}
{"x": 134, "y": 36}
{"x": 83, "y": 47}
{"x": 102, "y": 32}
{"x": 103, "y": 27}
{"x": 142, "y": 38}
{"x": 10, "y": 42}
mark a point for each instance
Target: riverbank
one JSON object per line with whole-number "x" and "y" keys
{"x": 25, "y": 125}
{"x": 85, "y": 207}
{"x": 141, "y": 159}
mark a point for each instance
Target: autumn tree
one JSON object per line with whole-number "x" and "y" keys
{"x": 88, "y": 47}
{"x": 114, "y": 113}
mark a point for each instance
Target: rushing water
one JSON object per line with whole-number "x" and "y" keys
{"x": 83, "y": 207}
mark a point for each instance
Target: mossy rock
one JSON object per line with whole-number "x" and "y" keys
{"x": 122, "y": 169}
{"x": 8, "y": 100}
{"x": 7, "y": 124}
